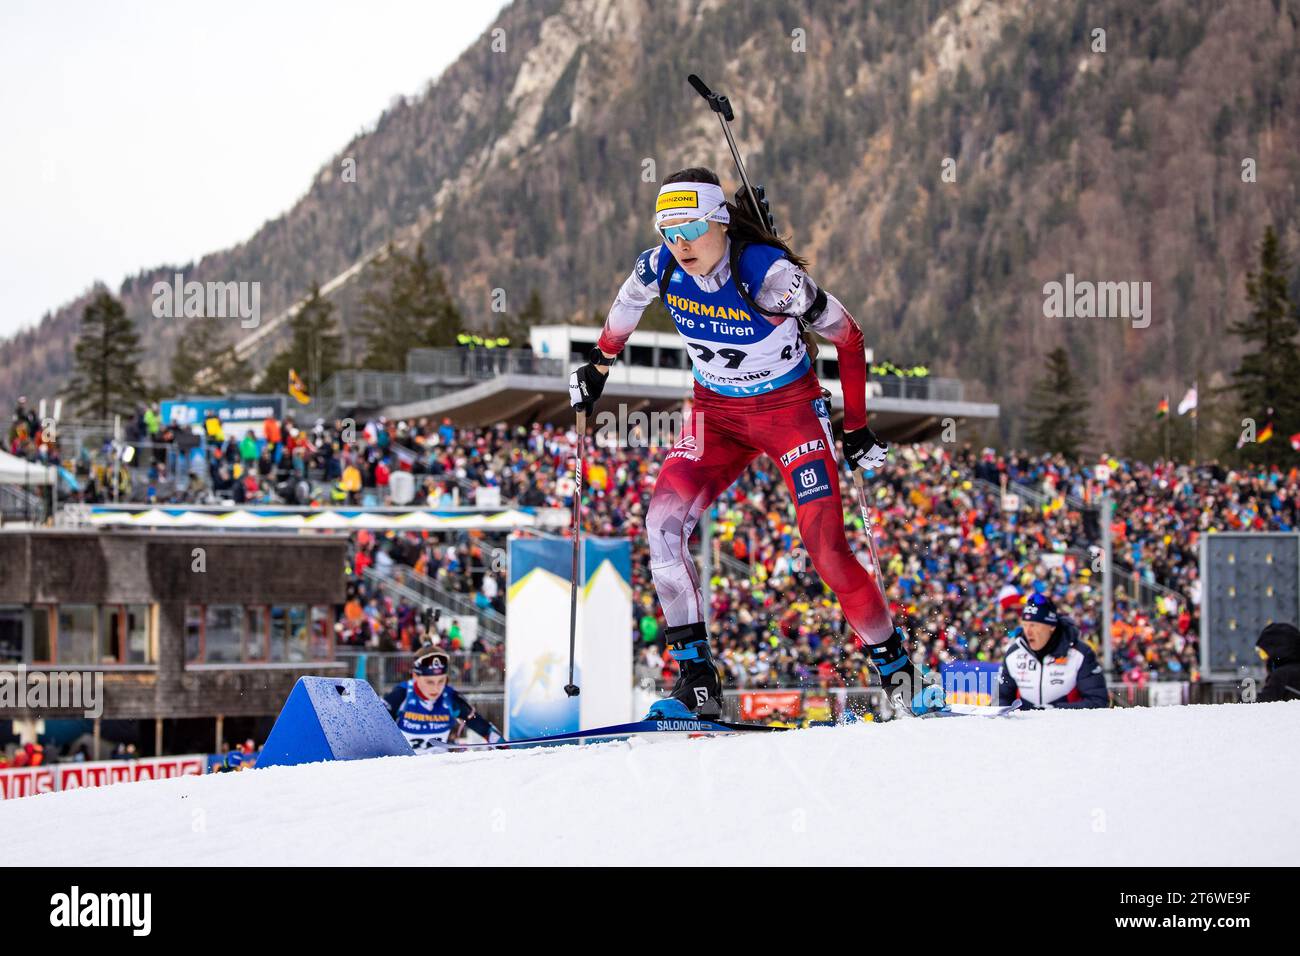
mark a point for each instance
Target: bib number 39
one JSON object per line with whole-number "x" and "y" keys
{"x": 733, "y": 357}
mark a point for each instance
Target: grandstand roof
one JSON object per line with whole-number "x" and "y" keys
{"x": 520, "y": 399}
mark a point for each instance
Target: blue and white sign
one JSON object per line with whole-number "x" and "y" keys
{"x": 237, "y": 414}
{"x": 537, "y": 636}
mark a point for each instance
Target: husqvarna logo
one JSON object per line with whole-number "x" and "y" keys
{"x": 812, "y": 482}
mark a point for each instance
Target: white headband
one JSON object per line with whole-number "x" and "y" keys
{"x": 691, "y": 201}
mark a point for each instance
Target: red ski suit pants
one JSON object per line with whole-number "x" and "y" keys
{"x": 721, "y": 438}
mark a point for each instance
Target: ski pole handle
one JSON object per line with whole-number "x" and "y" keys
{"x": 722, "y": 106}
{"x": 717, "y": 102}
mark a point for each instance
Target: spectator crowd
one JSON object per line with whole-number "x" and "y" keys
{"x": 957, "y": 561}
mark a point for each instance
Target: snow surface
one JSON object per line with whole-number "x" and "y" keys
{"x": 1175, "y": 785}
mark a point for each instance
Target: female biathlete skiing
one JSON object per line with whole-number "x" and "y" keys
{"x": 740, "y": 299}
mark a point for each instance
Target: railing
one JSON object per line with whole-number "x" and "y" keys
{"x": 1161, "y": 693}
{"x": 843, "y": 702}
{"x": 1147, "y": 591}
{"x": 480, "y": 364}
{"x": 1126, "y": 576}
{"x": 491, "y": 622}
{"x": 863, "y": 700}
{"x": 355, "y": 388}
{"x": 417, "y": 590}
{"x": 931, "y": 389}
{"x": 16, "y": 504}
{"x": 1030, "y": 494}
{"x": 1223, "y": 691}
{"x": 84, "y": 432}
{"x": 733, "y": 566}
{"x": 774, "y": 681}
{"x": 860, "y": 701}
{"x": 401, "y": 593}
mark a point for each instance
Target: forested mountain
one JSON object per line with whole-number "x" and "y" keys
{"x": 938, "y": 162}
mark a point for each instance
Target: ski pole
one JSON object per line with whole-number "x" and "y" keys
{"x": 871, "y": 534}
{"x": 722, "y": 106}
{"x": 571, "y": 689}
{"x": 866, "y": 516}
{"x": 762, "y": 214}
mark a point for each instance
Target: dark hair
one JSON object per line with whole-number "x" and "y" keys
{"x": 744, "y": 227}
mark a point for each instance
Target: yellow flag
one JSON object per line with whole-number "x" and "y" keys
{"x": 297, "y": 389}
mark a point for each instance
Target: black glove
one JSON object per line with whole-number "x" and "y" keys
{"x": 863, "y": 449}
{"x": 587, "y": 382}
{"x": 763, "y": 214}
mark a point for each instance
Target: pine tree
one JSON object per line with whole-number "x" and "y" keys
{"x": 194, "y": 351}
{"x": 1142, "y": 439}
{"x": 406, "y": 305}
{"x": 1268, "y": 377}
{"x": 315, "y": 349}
{"x": 434, "y": 313}
{"x": 106, "y": 373}
{"x": 229, "y": 373}
{"x": 1059, "y": 409}
{"x": 201, "y": 366}
{"x": 515, "y": 325}
{"x": 383, "y": 326}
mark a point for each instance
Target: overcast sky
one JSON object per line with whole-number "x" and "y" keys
{"x": 135, "y": 133}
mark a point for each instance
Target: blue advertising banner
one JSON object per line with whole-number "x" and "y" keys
{"x": 971, "y": 682}
{"x": 537, "y": 636}
{"x": 237, "y": 413}
{"x": 537, "y": 639}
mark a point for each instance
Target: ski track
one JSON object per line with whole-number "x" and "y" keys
{"x": 1174, "y": 786}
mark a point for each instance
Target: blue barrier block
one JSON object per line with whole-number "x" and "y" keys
{"x": 332, "y": 718}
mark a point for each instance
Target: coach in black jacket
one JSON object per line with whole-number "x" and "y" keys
{"x": 1047, "y": 665}
{"x": 1281, "y": 646}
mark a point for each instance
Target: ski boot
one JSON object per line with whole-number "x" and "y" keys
{"x": 910, "y": 691}
{"x": 698, "y": 691}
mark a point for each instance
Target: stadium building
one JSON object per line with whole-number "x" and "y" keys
{"x": 194, "y": 636}
{"x": 483, "y": 386}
